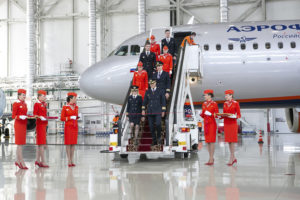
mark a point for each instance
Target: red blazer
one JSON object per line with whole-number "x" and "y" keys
{"x": 66, "y": 113}
{"x": 212, "y": 107}
{"x": 19, "y": 108}
{"x": 40, "y": 109}
{"x": 155, "y": 48}
{"x": 232, "y": 107}
{"x": 167, "y": 60}
{"x": 140, "y": 80}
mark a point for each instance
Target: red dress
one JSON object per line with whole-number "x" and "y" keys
{"x": 210, "y": 125}
{"x": 140, "y": 79}
{"x": 20, "y": 108}
{"x": 71, "y": 126}
{"x": 155, "y": 48}
{"x": 40, "y": 109}
{"x": 230, "y": 124}
{"x": 167, "y": 60}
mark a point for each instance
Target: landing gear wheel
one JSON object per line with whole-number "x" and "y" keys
{"x": 124, "y": 156}
{"x": 195, "y": 146}
{"x": 186, "y": 155}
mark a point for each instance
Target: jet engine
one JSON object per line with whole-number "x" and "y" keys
{"x": 293, "y": 119}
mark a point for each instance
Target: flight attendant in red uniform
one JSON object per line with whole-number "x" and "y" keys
{"x": 167, "y": 60}
{"x": 209, "y": 111}
{"x": 230, "y": 123}
{"x": 40, "y": 112}
{"x": 154, "y": 47}
{"x": 69, "y": 115}
{"x": 19, "y": 114}
{"x": 140, "y": 79}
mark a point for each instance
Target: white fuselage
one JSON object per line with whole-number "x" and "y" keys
{"x": 263, "y": 68}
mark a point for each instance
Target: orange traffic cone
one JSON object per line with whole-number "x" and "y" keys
{"x": 260, "y": 138}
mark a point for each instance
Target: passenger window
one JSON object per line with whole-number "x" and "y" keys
{"x": 122, "y": 51}
{"x": 280, "y": 45}
{"x": 293, "y": 45}
{"x": 135, "y": 50}
{"x": 255, "y": 46}
{"x": 218, "y": 47}
{"x": 230, "y": 46}
{"x": 243, "y": 46}
{"x": 206, "y": 47}
{"x": 268, "y": 45}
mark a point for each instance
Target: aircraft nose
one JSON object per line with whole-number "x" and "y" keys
{"x": 107, "y": 80}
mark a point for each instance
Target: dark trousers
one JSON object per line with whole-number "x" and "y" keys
{"x": 155, "y": 120}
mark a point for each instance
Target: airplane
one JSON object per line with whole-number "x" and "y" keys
{"x": 260, "y": 61}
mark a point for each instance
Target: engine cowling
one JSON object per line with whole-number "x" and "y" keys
{"x": 293, "y": 119}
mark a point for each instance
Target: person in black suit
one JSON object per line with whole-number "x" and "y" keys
{"x": 155, "y": 102}
{"x": 170, "y": 43}
{"x": 148, "y": 59}
{"x": 134, "y": 110}
{"x": 163, "y": 79}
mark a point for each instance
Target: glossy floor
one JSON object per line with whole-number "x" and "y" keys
{"x": 268, "y": 171}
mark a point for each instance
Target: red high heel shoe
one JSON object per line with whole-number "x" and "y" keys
{"x": 70, "y": 165}
{"x": 73, "y": 165}
{"x": 210, "y": 163}
{"x": 230, "y": 164}
{"x": 23, "y": 167}
{"x": 17, "y": 165}
{"x": 45, "y": 166}
{"x": 37, "y": 163}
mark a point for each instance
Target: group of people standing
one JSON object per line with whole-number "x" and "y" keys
{"x": 69, "y": 115}
{"x": 152, "y": 82}
{"x": 154, "y": 67}
{"x": 231, "y": 112}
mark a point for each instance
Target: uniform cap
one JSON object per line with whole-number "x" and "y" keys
{"x": 72, "y": 94}
{"x": 159, "y": 63}
{"x": 152, "y": 81}
{"x": 165, "y": 47}
{"x": 140, "y": 64}
{"x": 134, "y": 87}
{"x": 21, "y": 91}
{"x": 208, "y": 91}
{"x": 152, "y": 37}
{"x": 42, "y": 92}
{"x": 229, "y": 92}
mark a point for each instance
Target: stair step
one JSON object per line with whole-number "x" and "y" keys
{"x": 143, "y": 147}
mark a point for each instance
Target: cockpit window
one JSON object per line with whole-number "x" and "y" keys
{"x": 122, "y": 51}
{"x": 135, "y": 50}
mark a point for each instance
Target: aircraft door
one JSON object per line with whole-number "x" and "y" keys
{"x": 179, "y": 36}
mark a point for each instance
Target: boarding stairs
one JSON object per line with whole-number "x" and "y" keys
{"x": 179, "y": 134}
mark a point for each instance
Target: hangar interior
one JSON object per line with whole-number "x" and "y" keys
{"x": 52, "y": 45}
{"x": 61, "y": 44}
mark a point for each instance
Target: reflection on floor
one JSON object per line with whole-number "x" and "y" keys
{"x": 268, "y": 171}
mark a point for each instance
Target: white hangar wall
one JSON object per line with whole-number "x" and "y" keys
{"x": 64, "y": 37}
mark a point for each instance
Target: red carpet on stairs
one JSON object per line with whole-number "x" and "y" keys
{"x": 145, "y": 140}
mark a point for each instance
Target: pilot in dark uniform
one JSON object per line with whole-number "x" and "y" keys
{"x": 170, "y": 43}
{"x": 155, "y": 104}
{"x": 148, "y": 59}
{"x": 134, "y": 110}
{"x": 162, "y": 79}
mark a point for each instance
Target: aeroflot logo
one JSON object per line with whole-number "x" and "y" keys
{"x": 276, "y": 27}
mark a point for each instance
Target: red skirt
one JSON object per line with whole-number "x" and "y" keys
{"x": 41, "y": 134}
{"x": 20, "y": 131}
{"x": 231, "y": 131}
{"x": 71, "y": 134}
{"x": 210, "y": 132}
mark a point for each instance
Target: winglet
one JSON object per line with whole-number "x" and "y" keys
{"x": 191, "y": 20}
